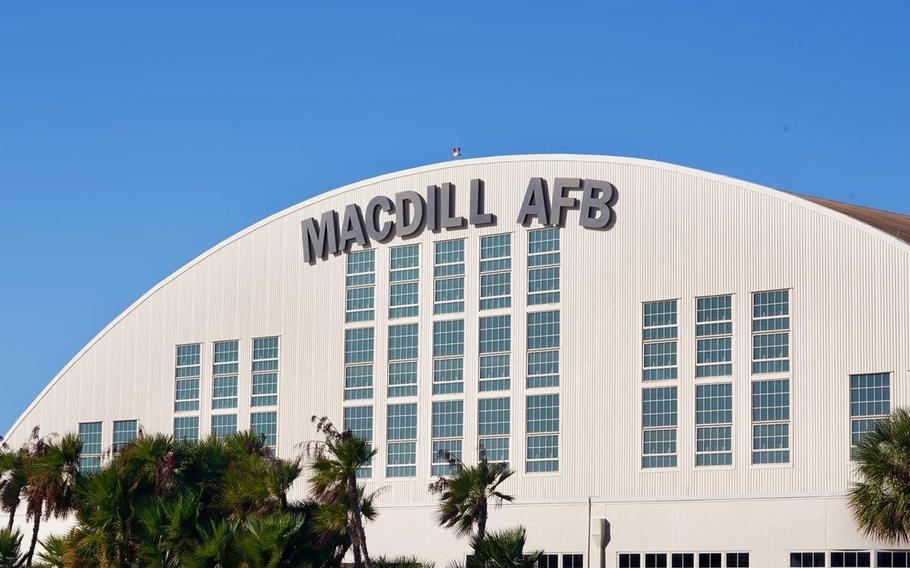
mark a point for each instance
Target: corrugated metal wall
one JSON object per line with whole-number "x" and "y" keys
{"x": 678, "y": 234}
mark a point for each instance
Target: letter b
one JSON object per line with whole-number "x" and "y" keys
{"x": 596, "y": 204}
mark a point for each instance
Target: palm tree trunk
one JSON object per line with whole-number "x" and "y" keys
{"x": 358, "y": 534}
{"x": 358, "y": 563}
{"x": 31, "y": 548}
{"x": 9, "y": 525}
{"x": 482, "y": 520}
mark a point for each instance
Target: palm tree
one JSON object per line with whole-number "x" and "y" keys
{"x": 53, "y": 552}
{"x": 10, "y": 542}
{"x": 334, "y": 480}
{"x": 12, "y": 480}
{"x": 53, "y": 474}
{"x": 880, "y": 500}
{"x": 465, "y": 493}
{"x": 503, "y": 549}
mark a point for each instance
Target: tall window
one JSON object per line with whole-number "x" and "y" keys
{"x": 771, "y": 332}
{"x": 870, "y": 403}
{"x": 448, "y": 356}
{"x": 360, "y": 283}
{"x": 658, "y": 420}
{"x": 403, "y": 360}
{"x": 404, "y": 279}
{"x": 359, "y": 421}
{"x": 358, "y": 363}
{"x": 714, "y": 336}
{"x": 186, "y": 397}
{"x": 90, "y": 436}
{"x": 714, "y": 424}
{"x": 265, "y": 424}
{"x": 224, "y": 425}
{"x": 543, "y": 433}
{"x": 496, "y": 271}
{"x": 543, "y": 266}
{"x": 771, "y": 421}
{"x": 186, "y": 428}
{"x": 224, "y": 374}
{"x": 737, "y": 560}
{"x": 494, "y": 424}
{"x": 401, "y": 432}
{"x": 629, "y": 560}
{"x": 543, "y": 349}
{"x": 265, "y": 372}
{"x": 448, "y": 422}
{"x": 495, "y": 345}
{"x": 125, "y": 432}
{"x": 448, "y": 274}
{"x": 659, "y": 333}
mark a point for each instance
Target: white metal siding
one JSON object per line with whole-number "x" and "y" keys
{"x": 679, "y": 233}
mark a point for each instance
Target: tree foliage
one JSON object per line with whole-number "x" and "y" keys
{"x": 466, "y": 492}
{"x": 880, "y": 500}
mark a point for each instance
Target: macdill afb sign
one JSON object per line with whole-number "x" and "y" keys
{"x": 410, "y": 213}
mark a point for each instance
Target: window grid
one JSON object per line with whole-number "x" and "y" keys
{"x": 403, "y": 360}
{"x": 125, "y": 432}
{"x": 808, "y": 560}
{"x": 186, "y": 428}
{"x": 851, "y": 559}
{"x": 224, "y": 425}
{"x": 265, "y": 372}
{"x": 659, "y": 409}
{"x": 771, "y": 332}
{"x": 714, "y": 424}
{"x": 543, "y": 266}
{"x": 870, "y": 404}
{"x": 266, "y": 424}
{"x": 682, "y": 560}
{"x": 771, "y": 421}
{"x": 496, "y": 271}
{"x": 404, "y": 280}
{"x": 448, "y": 357}
{"x": 659, "y": 337}
{"x": 543, "y": 433}
{"x": 892, "y": 559}
{"x": 543, "y": 349}
{"x": 447, "y": 432}
{"x": 401, "y": 433}
{"x": 448, "y": 277}
{"x": 714, "y": 336}
{"x": 360, "y": 288}
{"x": 90, "y": 436}
{"x": 494, "y": 424}
{"x": 359, "y": 421}
{"x": 225, "y": 366}
{"x": 495, "y": 340}
{"x": 358, "y": 363}
{"x": 187, "y": 372}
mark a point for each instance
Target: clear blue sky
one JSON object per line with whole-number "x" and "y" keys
{"x": 133, "y": 137}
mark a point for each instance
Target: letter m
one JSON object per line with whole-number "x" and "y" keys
{"x": 320, "y": 241}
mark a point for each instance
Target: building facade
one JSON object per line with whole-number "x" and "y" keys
{"x": 686, "y": 356}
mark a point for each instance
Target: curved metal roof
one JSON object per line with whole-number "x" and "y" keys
{"x": 895, "y": 224}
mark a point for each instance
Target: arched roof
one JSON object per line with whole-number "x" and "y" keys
{"x": 891, "y": 226}
{"x": 894, "y": 224}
